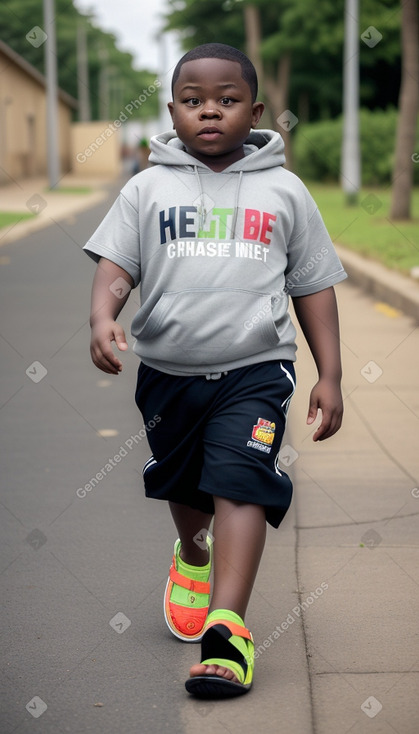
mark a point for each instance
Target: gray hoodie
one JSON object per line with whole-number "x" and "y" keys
{"x": 216, "y": 255}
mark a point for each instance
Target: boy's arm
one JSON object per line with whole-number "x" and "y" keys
{"x": 110, "y": 290}
{"x": 318, "y": 317}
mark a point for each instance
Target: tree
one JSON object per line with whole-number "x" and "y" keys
{"x": 125, "y": 83}
{"x": 295, "y": 47}
{"x": 273, "y": 64}
{"x": 408, "y": 111}
{"x": 292, "y": 73}
{"x": 301, "y": 42}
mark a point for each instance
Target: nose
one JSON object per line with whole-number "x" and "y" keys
{"x": 210, "y": 111}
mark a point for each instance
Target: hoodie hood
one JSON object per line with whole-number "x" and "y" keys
{"x": 263, "y": 149}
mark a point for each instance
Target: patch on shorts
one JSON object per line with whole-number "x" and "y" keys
{"x": 263, "y": 435}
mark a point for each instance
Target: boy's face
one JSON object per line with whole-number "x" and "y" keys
{"x": 212, "y": 111}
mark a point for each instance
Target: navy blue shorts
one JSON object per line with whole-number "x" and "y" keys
{"x": 217, "y": 436}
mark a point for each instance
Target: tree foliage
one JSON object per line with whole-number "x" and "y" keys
{"x": 312, "y": 33}
{"x": 18, "y": 17}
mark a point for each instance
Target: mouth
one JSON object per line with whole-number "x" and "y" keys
{"x": 209, "y": 133}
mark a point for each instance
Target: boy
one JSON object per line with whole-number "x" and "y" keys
{"x": 218, "y": 233}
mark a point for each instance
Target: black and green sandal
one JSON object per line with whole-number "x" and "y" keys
{"x": 228, "y": 643}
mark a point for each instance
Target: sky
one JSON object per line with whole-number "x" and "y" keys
{"x": 137, "y": 25}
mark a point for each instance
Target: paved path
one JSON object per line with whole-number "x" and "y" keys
{"x": 334, "y": 610}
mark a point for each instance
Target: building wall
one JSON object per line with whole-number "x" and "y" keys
{"x": 23, "y": 136}
{"x": 96, "y": 148}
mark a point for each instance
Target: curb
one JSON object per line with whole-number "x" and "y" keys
{"x": 22, "y": 229}
{"x": 57, "y": 205}
{"x": 397, "y": 290}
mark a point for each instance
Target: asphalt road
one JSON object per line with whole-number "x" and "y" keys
{"x": 84, "y": 557}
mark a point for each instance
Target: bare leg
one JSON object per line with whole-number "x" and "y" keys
{"x": 188, "y": 523}
{"x": 239, "y": 539}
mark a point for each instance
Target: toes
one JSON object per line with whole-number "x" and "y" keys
{"x": 213, "y": 670}
{"x": 198, "y": 670}
{"x": 227, "y": 673}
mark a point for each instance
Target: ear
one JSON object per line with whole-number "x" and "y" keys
{"x": 257, "y": 112}
{"x": 171, "y": 108}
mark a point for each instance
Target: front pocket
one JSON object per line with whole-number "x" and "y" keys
{"x": 207, "y": 326}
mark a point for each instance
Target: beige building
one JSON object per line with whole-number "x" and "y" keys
{"x": 96, "y": 148}
{"x": 23, "y": 141}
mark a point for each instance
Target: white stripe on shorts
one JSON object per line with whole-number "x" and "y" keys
{"x": 277, "y": 471}
{"x": 148, "y": 464}
{"x": 285, "y": 404}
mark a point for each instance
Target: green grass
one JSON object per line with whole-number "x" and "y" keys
{"x": 7, "y": 218}
{"x": 70, "y": 190}
{"x": 373, "y": 235}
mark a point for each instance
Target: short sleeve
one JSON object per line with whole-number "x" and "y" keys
{"x": 313, "y": 263}
{"x": 117, "y": 238}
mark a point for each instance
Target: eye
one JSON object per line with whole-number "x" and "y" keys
{"x": 225, "y": 101}
{"x": 192, "y": 101}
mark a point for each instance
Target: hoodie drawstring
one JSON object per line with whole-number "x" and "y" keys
{"x": 236, "y": 204}
{"x": 202, "y": 212}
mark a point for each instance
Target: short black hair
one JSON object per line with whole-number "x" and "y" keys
{"x": 221, "y": 51}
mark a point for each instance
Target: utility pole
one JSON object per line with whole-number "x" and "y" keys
{"x": 351, "y": 158}
{"x": 165, "y": 92}
{"x": 103, "y": 83}
{"x": 52, "y": 94}
{"x": 82, "y": 74}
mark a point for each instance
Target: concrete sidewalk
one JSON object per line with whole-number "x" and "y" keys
{"x": 357, "y": 508}
{"x": 398, "y": 291}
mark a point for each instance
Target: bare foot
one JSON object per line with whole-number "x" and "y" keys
{"x": 200, "y": 669}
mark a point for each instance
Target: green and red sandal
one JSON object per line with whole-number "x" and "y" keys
{"x": 186, "y": 598}
{"x": 228, "y": 643}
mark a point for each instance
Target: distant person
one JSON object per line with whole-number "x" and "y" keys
{"x": 218, "y": 234}
{"x": 141, "y": 156}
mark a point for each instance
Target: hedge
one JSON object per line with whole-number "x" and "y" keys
{"x": 317, "y": 148}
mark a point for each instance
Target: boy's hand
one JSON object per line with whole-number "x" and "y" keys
{"x": 103, "y": 333}
{"x": 326, "y": 396}
{"x": 318, "y": 317}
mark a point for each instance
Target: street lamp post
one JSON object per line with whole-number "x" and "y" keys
{"x": 52, "y": 94}
{"x": 351, "y": 159}
{"x": 83, "y": 73}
